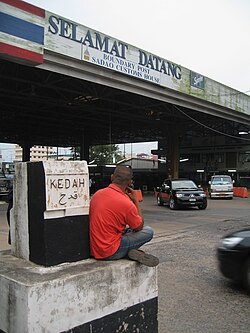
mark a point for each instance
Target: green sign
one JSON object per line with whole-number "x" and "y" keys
{"x": 197, "y": 80}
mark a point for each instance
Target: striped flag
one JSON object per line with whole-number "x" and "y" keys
{"x": 21, "y": 32}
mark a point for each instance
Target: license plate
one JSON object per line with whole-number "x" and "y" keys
{"x": 192, "y": 199}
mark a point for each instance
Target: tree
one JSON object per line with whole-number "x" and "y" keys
{"x": 101, "y": 154}
{"x": 105, "y": 154}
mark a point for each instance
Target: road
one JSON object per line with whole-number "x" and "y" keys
{"x": 193, "y": 296}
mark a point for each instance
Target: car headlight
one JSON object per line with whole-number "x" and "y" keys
{"x": 179, "y": 195}
{"x": 203, "y": 195}
{"x": 231, "y": 242}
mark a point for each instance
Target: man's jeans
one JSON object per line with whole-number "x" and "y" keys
{"x": 132, "y": 240}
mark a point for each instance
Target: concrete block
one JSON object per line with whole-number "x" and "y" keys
{"x": 50, "y": 216}
{"x": 84, "y": 296}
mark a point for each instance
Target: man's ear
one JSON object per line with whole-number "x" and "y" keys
{"x": 112, "y": 177}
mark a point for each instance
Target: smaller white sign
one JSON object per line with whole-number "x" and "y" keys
{"x": 67, "y": 188}
{"x": 66, "y": 191}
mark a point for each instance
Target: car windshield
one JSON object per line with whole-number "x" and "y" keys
{"x": 183, "y": 184}
{"x": 221, "y": 180}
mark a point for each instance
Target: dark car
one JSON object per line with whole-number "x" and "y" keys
{"x": 177, "y": 193}
{"x": 234, "y": 257}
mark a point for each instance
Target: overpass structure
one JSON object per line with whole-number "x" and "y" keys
{"x": 64, "y": 84}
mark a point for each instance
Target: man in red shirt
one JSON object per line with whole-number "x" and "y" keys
{"x": 116, "y": 223}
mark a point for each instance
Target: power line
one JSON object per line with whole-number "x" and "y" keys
{"x": 210, "y": 128}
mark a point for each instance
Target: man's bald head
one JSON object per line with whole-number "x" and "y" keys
{"x": 122, "y": 175}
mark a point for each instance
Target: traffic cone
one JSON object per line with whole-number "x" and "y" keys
{"x": 241, "y": 190}
{"x": 245, "y": 193}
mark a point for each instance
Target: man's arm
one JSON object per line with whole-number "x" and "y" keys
{"x": 132, "y": 195}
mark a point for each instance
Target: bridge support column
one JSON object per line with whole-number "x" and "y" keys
{"x": 26, "y": 151}
{"x": 170, "y": 149}
{"x": 173, "y": 155}
{"x": 84, "y": 148}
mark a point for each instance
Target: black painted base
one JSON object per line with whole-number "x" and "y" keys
{"x": 61, "y": 240}
{"x": 141, "y": 317}
{"x": 53, "y": 241}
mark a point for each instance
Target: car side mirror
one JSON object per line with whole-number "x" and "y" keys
{"x": 233, "y": 181}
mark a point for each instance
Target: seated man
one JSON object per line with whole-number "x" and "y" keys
{"x": 116, "y": 223}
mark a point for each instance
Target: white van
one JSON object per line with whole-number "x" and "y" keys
{"x": 221, "y": 186}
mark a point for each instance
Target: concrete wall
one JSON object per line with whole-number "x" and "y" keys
{"x": 86, "y": 296}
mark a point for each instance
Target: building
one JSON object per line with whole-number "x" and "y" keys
{"x": 216, "y": 155}
{"x": 37, "y": 153}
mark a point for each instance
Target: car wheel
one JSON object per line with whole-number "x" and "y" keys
{"x": 246, "y": 275}
{"x": 172, "y": 204}
{"x": 203, "y": 206}
{"x": 159, "y": 201}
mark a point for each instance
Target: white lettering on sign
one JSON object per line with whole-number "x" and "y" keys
{"x": 66, "y": 191}
{"x": 80, "y": 42}
{"x": 198, "y": 80}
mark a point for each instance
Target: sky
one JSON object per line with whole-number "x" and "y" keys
{"x": 207, "y": 37}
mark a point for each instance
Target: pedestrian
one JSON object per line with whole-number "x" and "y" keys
{"x": 116, "y": 222}
{"x": 10, "y": 205}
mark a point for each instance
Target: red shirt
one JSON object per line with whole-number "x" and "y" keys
{"x": 111, "y": 211}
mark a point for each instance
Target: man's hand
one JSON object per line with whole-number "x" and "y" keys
{"x": 132, "y": 194}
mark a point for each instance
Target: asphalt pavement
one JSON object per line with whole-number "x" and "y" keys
{"x": 193, "y": 296}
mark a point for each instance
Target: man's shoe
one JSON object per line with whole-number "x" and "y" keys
{"x": 143, "y": 258}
